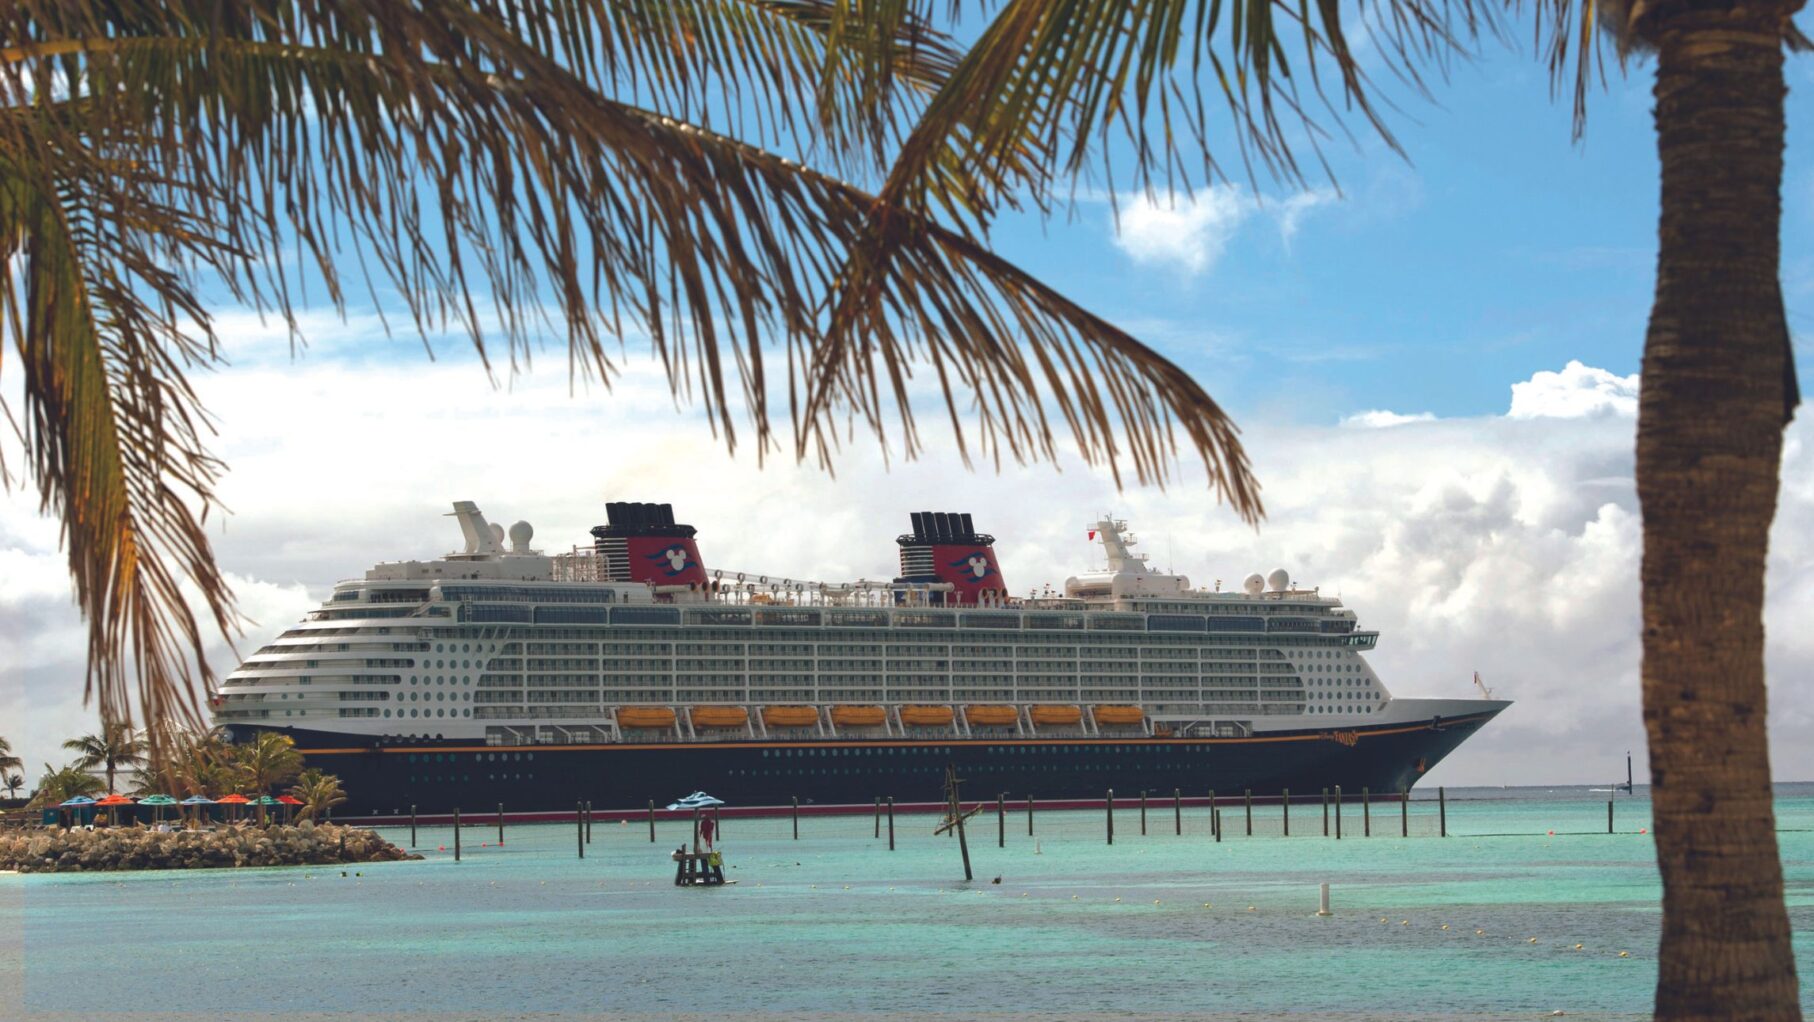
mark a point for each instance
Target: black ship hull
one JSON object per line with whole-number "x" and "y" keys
{"x": 384, "y": 781}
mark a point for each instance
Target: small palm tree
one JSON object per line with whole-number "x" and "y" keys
{"x": 116, "y": 746}
{"x": 13, "y": 783}
{"x": 267, "y": 761}
{"x": 8, "y": 761}
{"x": 60, "y": 784}
{"x": 318, "y": 792}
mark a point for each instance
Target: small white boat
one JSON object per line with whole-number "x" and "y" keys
{"x": 697, "y": 800}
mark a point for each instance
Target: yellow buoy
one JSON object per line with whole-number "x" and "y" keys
{"x": 1533, "y": 940}
{"x": 1577, "y": 947}
{"x": 1625, "y": 954}
{"x": 1382, "y": 919}
{"x": 1250, "y": 908}
{"x": 1478, "y": 933}
{"x": 1445, "y": 926}
{"x": 1155, "y": 901}
{"x": 1404, "y": 922}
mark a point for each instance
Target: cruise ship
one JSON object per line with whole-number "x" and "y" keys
{"x": 625, "y": 672}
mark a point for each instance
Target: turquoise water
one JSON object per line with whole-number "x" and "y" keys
{"x": 1158, "y": 926}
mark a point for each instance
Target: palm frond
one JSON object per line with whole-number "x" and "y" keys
{"x": 470, "y": 160}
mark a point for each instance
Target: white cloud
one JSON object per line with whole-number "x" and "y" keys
{"x": 1503, "y": 544}
{"x": 1379, "y": 418}
{"x": 1291, "y": 211}
{"x": 1185, "y": 231}
{"x": 1578, "y": 391}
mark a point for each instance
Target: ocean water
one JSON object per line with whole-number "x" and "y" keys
{"x": 1482, "y": 924}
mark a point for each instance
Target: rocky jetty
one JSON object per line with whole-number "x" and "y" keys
{"x": 113, "y": 848}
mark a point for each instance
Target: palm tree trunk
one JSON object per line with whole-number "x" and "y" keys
{"x": 1718, "y": 388}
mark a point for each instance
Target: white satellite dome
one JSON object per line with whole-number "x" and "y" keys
{"x": 1279, "y": 580}
{"x": 497, "y": 534}
{"x": 520, "y": 535}
{"x": 1254, "y": 584}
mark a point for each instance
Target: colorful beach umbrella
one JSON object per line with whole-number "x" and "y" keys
{"x": 197, "y": 800}
{"x": 115, "y": 800}
{"x": 157, "y": 800}
{"x": 289, "y": 800}
{"x": 234, "y": 800}
{"x": 76, "y": 803}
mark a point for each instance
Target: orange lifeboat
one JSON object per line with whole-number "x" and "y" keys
{"x": 790, "y": 716}
{"x": 991, "y": 716}
{"x": 858, "y": 716}
{"x": 720, "y": 716}
{"x": 645, "y": 716}
{"x": 926, "y": 716}
{"x": 1057, "y": 715}
{"x": 1118, "y": 716}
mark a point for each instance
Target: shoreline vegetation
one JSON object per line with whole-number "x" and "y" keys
{"x": 82, "y": 850}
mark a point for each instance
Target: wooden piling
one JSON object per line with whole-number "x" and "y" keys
{"x": 1338, "y": 812}
{"x": 579, "y": 827}
{"x": 1214, "y": 824}
{"x": 500, "y": 824}
{"x": 1177, "y": 811}
{"x": 695, "y": 832}
{"x": 1143, "y": 812}
{"x": 1248, "y": 796}
{"x": 1325, "y": 812}
{"x": 1109, "y": 804}
{"x": 796, "y": 817}
{"x": 456, "y": 834}
{"x": 1029, "y": 816}
{"x": 651, "y": 821}
{"x": 1442, "y": 812}
{"x": 1001, "y": 820}
{"x": 1404, "y": 813}
{"x": 1609, "y": 816}
{"x": 878, "y": 816}
{"x": 588, "y": 821}
{"x": 1285, "y": 805}
{"x": 1366, "y": 813}
{"x": 890, "y": 823}
{"x": 1215, "y": 819}
{"x": 412, "y": 822}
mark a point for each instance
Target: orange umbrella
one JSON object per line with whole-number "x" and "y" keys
{"x": 234, "y": 799}
{"x": 112, "y": 802}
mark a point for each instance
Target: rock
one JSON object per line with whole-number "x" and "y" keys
{"x": 139, "y": 848}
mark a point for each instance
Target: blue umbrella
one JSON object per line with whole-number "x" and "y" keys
{"x": 77, "y": 802}
{"x": 197, "y": 800}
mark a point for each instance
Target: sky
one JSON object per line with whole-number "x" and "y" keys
{"x": 1433, "y": 360}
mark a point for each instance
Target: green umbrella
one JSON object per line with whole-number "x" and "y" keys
{"x": 158, "y": 801}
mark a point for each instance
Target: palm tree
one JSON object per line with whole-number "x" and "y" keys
{"x": 8, "y": 761}
{"x": 116, "y": 746}
{"x": 266, "y": 762}
{"x": 60, "y": 784}
{"x": 13, "y": 783}
{"x": 546, "y": 160}
{"x": 1718, "y": 383}
{"x": 319, "y": 793}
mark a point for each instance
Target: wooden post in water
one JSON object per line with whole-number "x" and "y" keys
{"x": 651, "y": 821}
{"x": 1214, "y": 824}
{"x": 579, "y": 827}
{"x": 878, "y": 819}
{"x": 890, "y": 823}
{"x": 1249, "y": 799}
{"x": 1142, "y": 812}
{"x": 1366, "y": 814}
{"x": 1215, "y": 819}
{"x": 1001, "y": 820}
{"x": 1338, "y": 812}
{"x": 1029, "y": 816}
{"x": 1285, "y": 804}
{"x": 695, "y": 832}
{"x": 412, "y": 823}
{"x": 1177, "y": 811}
{"x": 456, "y": 833}
{"x": 588, "y": 821}
{"x": 1609, "y": 816}
{"x": 796, "y": 817}
{"x": 1325, "y": 812}
{"x": 1404, "y": 813}
{"x": 1442, "y": 812}
{"x": 500, "y": 824}
{"x": 1109, "y": 804}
